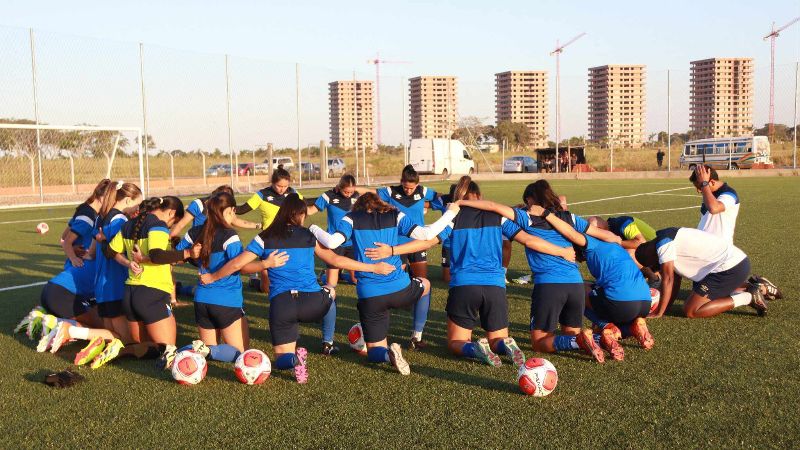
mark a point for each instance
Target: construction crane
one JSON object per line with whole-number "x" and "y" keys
{"x": 772, "y": 36}
{"x": 377, "y": 62}
{"x": 560, "y": 49}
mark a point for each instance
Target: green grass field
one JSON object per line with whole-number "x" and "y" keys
{"x": 731, "y": 381}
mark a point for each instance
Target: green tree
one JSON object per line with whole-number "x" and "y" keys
{"x": 516, "y": 134}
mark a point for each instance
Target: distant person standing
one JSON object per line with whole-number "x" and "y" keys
{"x": 720, "y": 203}
{"x": 660, "y": 158}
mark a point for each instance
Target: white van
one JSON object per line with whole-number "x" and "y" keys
{"x": 726, "y": 153}
{"x": 440, "y": 157}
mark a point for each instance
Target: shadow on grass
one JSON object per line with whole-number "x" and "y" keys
{"x": 463, "y": 378}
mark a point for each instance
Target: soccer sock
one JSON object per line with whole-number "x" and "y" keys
{"x": 378, "y": 354}
{"x": 420, "y": 314}
{"x": 594, "y": 318}
{"x": 329, "y": 324}
{"x": 468, "y": 350}
{"x": 185, "y": 347}
{"x": 741, "y": 299}
{"x": 563, "y": 343}
{"x": 285, "y": 361}
{"x": 501, "y": 348}
{"x": 78, "y": 333}
{"x": 625, "y": 330}
{"x": 223, "y": 352}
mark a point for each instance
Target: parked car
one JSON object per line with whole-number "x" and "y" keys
{"x": 246, "y": 169}
{"x": 262, "y": 169}
{"x": 521, "y": 164}
{"x": 284, "y": 161}
{"x": 336, "y": 167}
{"x": 310, "y": 170}
{"x": 217, "y": 170}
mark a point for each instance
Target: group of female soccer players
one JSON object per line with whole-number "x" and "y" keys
{"x": 117, "y": 286}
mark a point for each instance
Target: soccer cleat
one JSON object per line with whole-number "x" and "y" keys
{"x": 90, "y": 352}
{"x": 164, "y": 361}
{"x": 60, "y": 337}
{"x": 110, "y": 352}
{"x": 611, "y": 345}
{"x": 484, "y": 352}
{"x": 758, "y": 302}
{"x": 642, "y": 334}
{"x": 397, "y": 360}
{"x": 416, "y": 344}
{"x": 200, "y": 347}
{"x": 613, "y": 329}
{"x": 300, "y": 366}
{"x": 24, "y": 324}
{"x": 517, "y": 356}
{"x": 586, "y": 342}
{"x": 771, "y": 291}
{"x": 329, "y": 349}
{"x": 525, "y": 279}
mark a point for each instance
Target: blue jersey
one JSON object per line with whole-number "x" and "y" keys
{"x": 336, "y": 206}
{"x": 549, "y": 268}
{"x": 439, "y": 203}
{"x": 413, "y": 206}
{"x": 197, "y": 209}
{"x": 366, "y": 229}
{"x": 298, "y": 274}
{"x": 476, "y": 247}
{"x": 80, "y": 280}
{"x": 615, "y": 271}
{"x": 110, "y": 281}
{"x": 225, "y": 246}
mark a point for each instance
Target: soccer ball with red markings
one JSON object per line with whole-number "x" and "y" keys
{"x": 252, "y": 367}
{"x": 537, "y": 377}
{"x": 356, "y": 338}
{"x": 655, "y": 300}
{"x": 42, "y": 228}
{"x": 189, "y": 367}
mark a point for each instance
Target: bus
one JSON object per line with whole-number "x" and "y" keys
{"x": 726, "y": 153}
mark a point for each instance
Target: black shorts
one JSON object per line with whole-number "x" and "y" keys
{"x": 342, "y": 251}
{"x": 722, "y": 284}
{"x": 109, "y": 310}
{"x": 146, "y": 304}
{"x": 62, "y": 303}
{"x": 557, "y": 303}
{"x": 287, "y": 310}
{"x": 615, "y": 311}
{"x": 216, "y": 317}
{"x": 467, "y": 306}
{"x": 445, "y": 257}
{"x": 374, "y": 311}
{"x": 416, "y": 257}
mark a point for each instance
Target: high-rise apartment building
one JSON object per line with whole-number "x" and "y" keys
{"x": 721, "y": 97}
{"x": 521, "y": 96}
{"x": 351, "y": 113}
{"x": 617, "y": 103}
{"x": 433, "y": 106}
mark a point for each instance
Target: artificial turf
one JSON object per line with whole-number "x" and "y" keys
{"x": 730, "y": 381}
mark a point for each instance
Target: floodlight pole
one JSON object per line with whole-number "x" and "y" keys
{"x": 794, "y": 122}
{"x": 228, "y": 112}
{"x": 36, "y": 114}
{"x": 669, "y": 131}
{"x": 144, "y": 121}
{"x": 297, "y": 107}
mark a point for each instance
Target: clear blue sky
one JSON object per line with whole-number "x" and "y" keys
{"x": 470, "y": 39}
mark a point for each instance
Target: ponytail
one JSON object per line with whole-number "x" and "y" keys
{"x": 155, "y": 203}
{"x": 465, "y": 186}
{"x": 109, "y": 198}
{"x": 215, "y": 206}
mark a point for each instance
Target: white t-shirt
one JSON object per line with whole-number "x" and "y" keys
{"x": 696, "y": 253}
{"x": 724, "y": 223}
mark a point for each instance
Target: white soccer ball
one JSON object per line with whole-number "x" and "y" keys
{"x": 356, "y": 338}
{"x": 189, "y": 367}
{"x": 42, "y": 228}
{"x": 252, "y": 367}
{"x": 537, "y": 377}
{"x": 655, "y": 300}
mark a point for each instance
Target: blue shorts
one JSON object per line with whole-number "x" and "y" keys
{"x": 722, "y": 284}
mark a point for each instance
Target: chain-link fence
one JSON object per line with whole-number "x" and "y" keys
{"x": 209, "y": 119}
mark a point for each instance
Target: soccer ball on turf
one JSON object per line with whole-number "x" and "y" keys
{"x": 42, "y": 228}
{"x": 189, "y": 367}
{"x": 356, "y": 338}
{"x": 252, "y": 367}
{"x": 537, "y": 377}
{"x": 655, "y": 300}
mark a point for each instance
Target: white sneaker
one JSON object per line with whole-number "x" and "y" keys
{"x": 526, "y": 279}
{"x": 397, "y": 360}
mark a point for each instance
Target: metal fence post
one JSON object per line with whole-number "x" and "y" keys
{"x": 36, "y": 116}
{"x": 270, "y": 153}
{"x": 72, "y": 173}
{"x": 323, "y": 162}
{"x": 203, "y": 156}
{"x": 171, "y": 170}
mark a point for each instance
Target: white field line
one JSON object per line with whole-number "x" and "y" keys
{"x": 34, "y": 220}
{"x": 23, "y": 286}
{"x": 641, "y": 212}
{"x": 629, "y": 196}
{"x": 681, "y": 195}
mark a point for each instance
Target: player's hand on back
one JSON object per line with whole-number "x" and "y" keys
{"x": 276, "y": 259}
{"x": 380, "y": 251}
{"x": 137, "y": 254}
{"x": 453, "y": 207}
{"x": 100, "y": 236}
{"x": 568, "y": 253}
{"x": 382, "y": 268}
{"x": 135, "y": 268}
{"x": 196, "y": 250}
{"x": 536, "y": 210}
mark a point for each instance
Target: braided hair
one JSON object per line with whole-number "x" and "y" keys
{"x": 166, "y": 203}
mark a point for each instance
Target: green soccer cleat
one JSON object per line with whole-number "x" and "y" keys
{"x": 110, "y": 352}
{"x": 90, "y": 352}
{"x": 484, "y": 352}
{"x": 517, "y": 356}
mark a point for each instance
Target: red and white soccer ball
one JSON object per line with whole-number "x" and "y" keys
{"x": 189, "y": 367}
{"x": 42, "y": 228}
{"x": 356, "y": 338}
{"x": 537, "y": 377}
{"x": 252, "y": 367}
{"x": 655, "y": 300}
